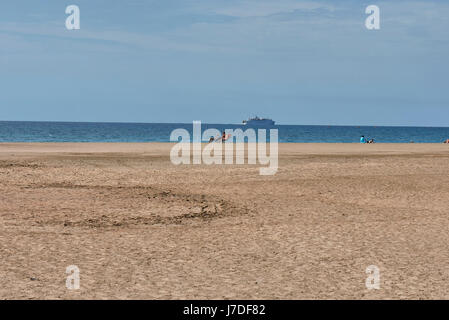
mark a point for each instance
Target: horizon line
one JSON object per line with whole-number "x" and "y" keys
{"x": 234, "y": 124}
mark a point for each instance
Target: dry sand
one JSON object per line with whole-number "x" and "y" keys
{"x": 140, "y": 227}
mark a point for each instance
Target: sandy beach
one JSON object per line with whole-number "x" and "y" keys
{"x": 139, "y": 227}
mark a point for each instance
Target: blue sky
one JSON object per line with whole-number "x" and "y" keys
{"x": 299, "y": 62}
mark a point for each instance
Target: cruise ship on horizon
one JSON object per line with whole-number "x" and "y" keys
{"x": 256, "y": 121}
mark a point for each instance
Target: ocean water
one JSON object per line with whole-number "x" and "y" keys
{"x": 20, "y": 131}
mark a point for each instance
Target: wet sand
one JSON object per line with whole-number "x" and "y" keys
{"x": 139, "y": 227}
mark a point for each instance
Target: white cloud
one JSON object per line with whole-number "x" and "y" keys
{"x": 251, "y": 8}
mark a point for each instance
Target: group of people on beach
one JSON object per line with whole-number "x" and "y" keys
{"x": 364, "y": 140}
{"x": 223, "y": 138}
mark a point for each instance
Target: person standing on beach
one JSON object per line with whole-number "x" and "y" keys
{"x": 223, "y": 137}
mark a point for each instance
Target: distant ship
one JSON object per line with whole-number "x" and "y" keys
{"x": 256, "y": 121}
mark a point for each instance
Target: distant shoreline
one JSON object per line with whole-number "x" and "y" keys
{"x": 163, "y": 148}
{"x": 206, "y": 143}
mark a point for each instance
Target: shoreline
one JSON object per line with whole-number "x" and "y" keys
{"x": 165, "y": 147}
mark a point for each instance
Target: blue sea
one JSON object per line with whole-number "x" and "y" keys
{"x": 20, "y": 131}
